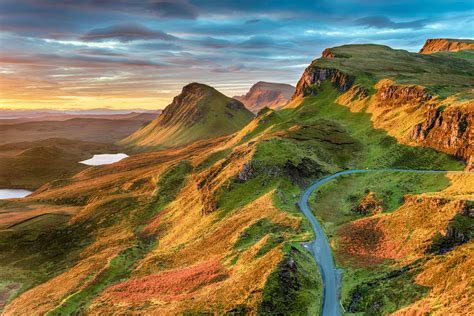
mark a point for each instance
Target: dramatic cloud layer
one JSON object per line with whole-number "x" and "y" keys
{"x": 122, "y": 53}
{"x": 125, "y": 33}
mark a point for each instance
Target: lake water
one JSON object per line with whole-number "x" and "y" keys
{"x": 104, "y": 159}
{"x": 13, "y": 193}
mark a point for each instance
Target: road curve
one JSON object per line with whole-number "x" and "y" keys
{"x": 320, "y": 248}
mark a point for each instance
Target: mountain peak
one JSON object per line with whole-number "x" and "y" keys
{"x": 196, "y": 86}
{"x": 266, "y": 94}
{"x": 198, "y": 112}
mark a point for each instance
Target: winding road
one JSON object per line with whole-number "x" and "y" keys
{"x": 320, "y": 248}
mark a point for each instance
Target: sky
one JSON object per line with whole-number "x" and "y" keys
{"x": 138, "y": 54}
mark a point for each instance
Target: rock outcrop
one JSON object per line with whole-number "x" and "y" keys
{"x": 460, "y": 230}
{"x": 448, "y": 129}
{"x": 394, "y": 94}
{"x": 416, "y": 117}
{"x": 446, "y": 45}
{"x": 369, "y": 205}
{"x": 328, "y": 53}
{"x": 314, "y": 76}
{"x": 266, "y": 94}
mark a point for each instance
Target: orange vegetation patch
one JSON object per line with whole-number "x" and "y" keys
{"x": 359, "y": 241}
{"x": 169, "y": 285}
{"x": 156, "y": 226}
{"x": 451, "y": 281}
{"x": 404, "y": 234}
{"x": 48, "y": 295}
{"x": 190, "y": 240}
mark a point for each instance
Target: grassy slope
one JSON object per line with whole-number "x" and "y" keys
{"x": 355, "y": 145}
{"x": 373, "y": 149}
{"x": 443, "y": 74}
{"x": 216, "y": 120}
{"x": 378, "y": 150}
{"x": 40, "y": 254}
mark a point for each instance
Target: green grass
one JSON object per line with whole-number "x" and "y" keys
{"x": 333, "y": 202}
{"x": 34, "y": 251}
{"x": 382, "y": 291}
{"x": 463, "y": 54}
{"x": 370, "y": 63}
{"x": 295, "y": 287}
{"x": 257, "y": 231}
{"x": 213, "y": 158}
{"x": 236, "y": 195}
{"x": 169, "y": 184}
{"x": 378, "y": 150}
{"x": 172, "y": 181}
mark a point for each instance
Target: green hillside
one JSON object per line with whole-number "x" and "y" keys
{"x": 444, "y": 73}
{"x": 199, "y": 112}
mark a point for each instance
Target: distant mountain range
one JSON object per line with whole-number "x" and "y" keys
{"x": 41, "y": 113}
{"x": 266, "y": 94}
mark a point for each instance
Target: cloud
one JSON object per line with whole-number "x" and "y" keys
{"x": 75, "y": 61}
{"x": 380, "y": 21}
{"x": 142, "y": 48}
{"x": 252, "y": 21}
{"x": 211, "y": 42}
{"x": 125, "y": 33}
{"x": 159, "y": 46}
{"x": 261, "y": 41}
{"x": 173, "y": 9}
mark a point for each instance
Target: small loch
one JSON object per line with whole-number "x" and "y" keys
{"x": 13, "y": 193}
{"x": 104, "y": 159}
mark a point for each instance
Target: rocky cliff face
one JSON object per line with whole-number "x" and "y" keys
{"x": 401, "y": 94}
{"x": 410, "y": 112}
{"x": 444, "y": 128}
{"x": 266, "y": 94}
{"x": 446, "y": 45}
{"x": 314, "y": 76}
{"x": 398, "y": 109}
{"x": 449, "y": 130}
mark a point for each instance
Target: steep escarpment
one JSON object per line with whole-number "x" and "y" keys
{"x": 266, "y": 94}
{"x": 313, "y": 77}
{"x": 416, "y": 117}
{"x": 436, "y": 45}
{"x": 199, "y": 112}
{"x": 415, "y": 105}
{"x": 448, "y": 129}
